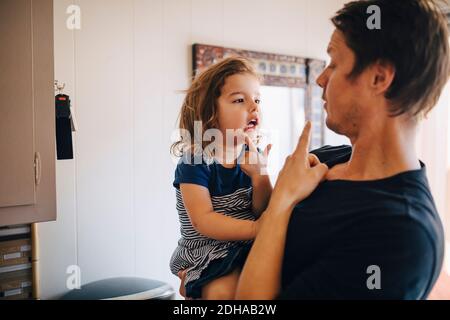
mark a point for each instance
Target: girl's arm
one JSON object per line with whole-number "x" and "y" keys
{"x": 262, "y": 189}
{"x": 197, "y": 202}
{"x": 261, "y": 275}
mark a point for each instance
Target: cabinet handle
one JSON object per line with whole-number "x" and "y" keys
{"x": 37, "y": 168}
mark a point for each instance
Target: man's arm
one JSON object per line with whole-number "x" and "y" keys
{"x": 301, "y": 173}
{"x": 261, "y": 276}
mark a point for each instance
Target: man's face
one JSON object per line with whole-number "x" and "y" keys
{"x": 344, "y": 98}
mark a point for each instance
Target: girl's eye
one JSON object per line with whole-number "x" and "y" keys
{"x": 258, "y": 101}
{"x": 238, "y": 101}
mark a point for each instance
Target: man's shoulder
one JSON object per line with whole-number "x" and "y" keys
{"x": 332, "y": 155}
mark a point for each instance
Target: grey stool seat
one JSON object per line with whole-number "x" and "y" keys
{"x": 124, "y": 288}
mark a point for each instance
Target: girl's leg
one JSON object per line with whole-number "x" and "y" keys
{"x": 223, "y": 288}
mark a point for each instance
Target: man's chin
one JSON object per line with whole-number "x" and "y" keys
{"x": 332, "y": 125}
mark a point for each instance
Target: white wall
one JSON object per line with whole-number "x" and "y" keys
{"x": 116, "y": 205}
{"x": 432, "y": 145}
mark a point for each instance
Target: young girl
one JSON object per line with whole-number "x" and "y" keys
{"x": 219, "y": 197}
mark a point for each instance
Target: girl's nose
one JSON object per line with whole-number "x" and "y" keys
{"x": 253, "y": 106}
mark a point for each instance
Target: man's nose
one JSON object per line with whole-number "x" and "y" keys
{"x": 322, "y": 80}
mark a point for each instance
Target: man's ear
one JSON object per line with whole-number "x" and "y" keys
{"x": 382, "y": 77}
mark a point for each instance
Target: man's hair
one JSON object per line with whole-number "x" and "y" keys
{"x": 414, "y": 38}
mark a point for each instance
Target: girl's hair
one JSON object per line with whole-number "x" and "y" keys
{"x": 200, "y": 103}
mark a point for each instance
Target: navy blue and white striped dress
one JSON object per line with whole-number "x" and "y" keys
{"x": 231, "y": 194}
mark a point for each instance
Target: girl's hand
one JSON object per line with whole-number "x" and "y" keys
{"x": 182, "y": 276}
{"x": 299, "y": 177}
{"x": 253, "y": 163}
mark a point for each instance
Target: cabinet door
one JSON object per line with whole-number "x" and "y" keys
{"x": 16, "y": 104}
{"x": 27, "y": 112}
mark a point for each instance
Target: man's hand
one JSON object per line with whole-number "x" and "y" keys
{"x": 301, "y": 174}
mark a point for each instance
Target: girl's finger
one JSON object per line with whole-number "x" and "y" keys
{"x": 251, "y": 144}
{"x": 182, "y": 274}
{"x": 267, "y": 149}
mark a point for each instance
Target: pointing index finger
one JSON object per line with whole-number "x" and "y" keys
{"x": 303, "y": 141}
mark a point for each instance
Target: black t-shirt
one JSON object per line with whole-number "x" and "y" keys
{"x": 379, "y": 239}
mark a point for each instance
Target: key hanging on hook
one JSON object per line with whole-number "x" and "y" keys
{"x": 59, "y": 87}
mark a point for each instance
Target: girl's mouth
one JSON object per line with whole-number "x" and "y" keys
{"x": 252, "y": 124}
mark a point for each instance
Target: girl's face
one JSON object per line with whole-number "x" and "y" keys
{"x": 238, "y": 104}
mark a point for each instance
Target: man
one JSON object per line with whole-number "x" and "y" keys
{"x": 359, "y": 222}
